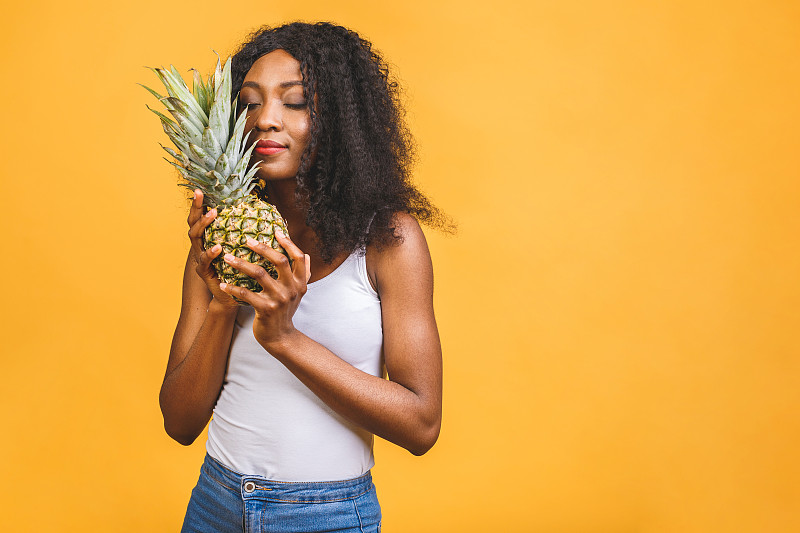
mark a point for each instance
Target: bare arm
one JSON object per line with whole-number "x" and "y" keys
{"x": 199, "y": 351}
{"x": 405, "y": 410}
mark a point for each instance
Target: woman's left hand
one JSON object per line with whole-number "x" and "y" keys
{"x": 276, "y": 303}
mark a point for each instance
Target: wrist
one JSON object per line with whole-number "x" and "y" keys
{"x": 217, "y": 308}
{"x": 281, "y": 344}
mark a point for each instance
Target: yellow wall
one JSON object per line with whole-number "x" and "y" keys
{"x": 618, "y": 310}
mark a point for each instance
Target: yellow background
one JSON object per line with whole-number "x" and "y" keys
{"x": 619, "y": 309}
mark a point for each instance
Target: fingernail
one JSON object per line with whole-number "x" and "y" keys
{"x": 216, "y": 248}
{"x": 211, "y": 213}
{"x": 251, "y": 241}
{"x": 229, "y": 258}
{"x": 223, "y": 286}
{"x": 279, "y": 233}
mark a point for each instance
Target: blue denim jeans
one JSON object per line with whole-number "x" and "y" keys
{"x": 226, "y": 501}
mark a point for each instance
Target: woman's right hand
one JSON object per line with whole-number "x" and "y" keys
{"x": 198, "y": 222}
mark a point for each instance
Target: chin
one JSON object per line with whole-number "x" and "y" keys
{"x": 277, "y": 176}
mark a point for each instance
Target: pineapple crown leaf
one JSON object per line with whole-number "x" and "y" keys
{"x": 164, "y": 119}
{"x": 248, "y": 178}
{"x": 200, "y": 90}
{"x": 242, "y": 166}
{"x": 177, "y": 88}
{"x": 151, "y": 91}
{"x": 219, "y": 115}
{"x": 223, "y": 166}
{"x": 190, "y": 131}
{"x": 178, "y": 141}
{"x": 171, "y": 128}
{"x": 205, "y": 159}
{"x": 180, "y": 110}
{"x": 212, "y": 152}
{"x": 211, "y": 143}
{"x": 181, "y": 169}
{"x": 236, "y": 145}
{"x": 178, "y": 157}
{"x": 217, "y": 73}
{"x": 234, "y": 117}
{"x": 199, "y": 178}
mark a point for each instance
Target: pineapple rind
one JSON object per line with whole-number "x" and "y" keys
{"x": 250, "y": 217}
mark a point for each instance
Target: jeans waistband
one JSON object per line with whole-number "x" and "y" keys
{"x": 253, "y": 487}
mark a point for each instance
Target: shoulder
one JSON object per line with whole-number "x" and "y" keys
{"x": 408, "y": 260}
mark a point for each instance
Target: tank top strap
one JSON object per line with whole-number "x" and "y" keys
{"x": 360, "y": 262}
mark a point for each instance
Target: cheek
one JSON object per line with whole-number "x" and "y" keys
{"x": 303, "y": 132}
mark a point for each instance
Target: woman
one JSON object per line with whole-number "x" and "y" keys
{"x": 295, "y": 382}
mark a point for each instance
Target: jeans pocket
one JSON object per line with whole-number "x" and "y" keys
{"x": 369, "y": 511}
{"x": 208, "y": 473}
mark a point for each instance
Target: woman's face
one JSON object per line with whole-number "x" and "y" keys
{"x": 277, "y": 114}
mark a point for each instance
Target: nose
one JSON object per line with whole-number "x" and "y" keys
{"x": 268, "y": 116}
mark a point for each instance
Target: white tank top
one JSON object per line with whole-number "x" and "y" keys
{"x": 266, "y": 422}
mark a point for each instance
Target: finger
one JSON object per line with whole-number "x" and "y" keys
{"x": 273, "y": 256}
{"x": 239, "y": 292}
{"x": 299, "y": 267}
{"x": 308, "y": 267}
{"x": 199, "y": 227}
{"x": 196, "y": 209}
{"x": 254, "y": 271}
{"x": 205, "y": 259}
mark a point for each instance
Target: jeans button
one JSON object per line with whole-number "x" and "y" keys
{"x": 249, "y": 486}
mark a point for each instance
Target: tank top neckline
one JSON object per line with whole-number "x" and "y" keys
{"x": 333, "y": 272}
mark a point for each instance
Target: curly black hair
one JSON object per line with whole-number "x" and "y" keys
{"x": 360, "y": 176}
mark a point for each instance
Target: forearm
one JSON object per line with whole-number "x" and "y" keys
{"x": 390, "y": 410}
{"x": 192, "y": 386}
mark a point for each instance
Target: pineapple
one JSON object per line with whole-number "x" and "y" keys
{"x": 211, "y": 156}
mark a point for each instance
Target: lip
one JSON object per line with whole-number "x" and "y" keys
{"x": 268, "y": 147}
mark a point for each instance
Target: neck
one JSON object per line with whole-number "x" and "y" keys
{"x": 281, "y": 194}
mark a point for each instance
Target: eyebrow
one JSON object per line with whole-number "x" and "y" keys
{"x": 283, "y": 85}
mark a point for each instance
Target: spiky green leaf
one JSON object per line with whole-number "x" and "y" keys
{"x": 211, "y": 143}
{"x": 206, "y": 160}
{"x": 248, "y": 178}
{"x": 164, "y": 119}
{"x": 242, "y": 165}
{"x": 223, "y": 166}
{"x": 182, "y": 170}
{"x": 219, "y": 118}
{"x": 188, "y": 128}
{"x": 151, "y": 91}
{"x": 180, "y": 108}
{"x": 177, "y": 88}
{"x": 178, "y": 156}
{"x": 199, "y": 90}
{"x": 208, "y": 132}
{"x": 232, "y": 150}
{"x": 217, "y": 75}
